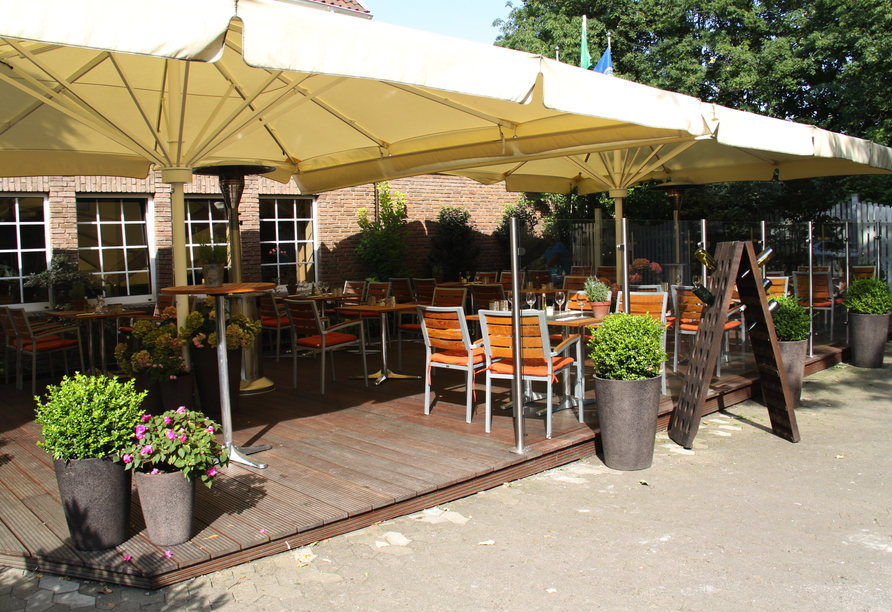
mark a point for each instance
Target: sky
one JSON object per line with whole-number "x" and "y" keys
{"x": 468, "y": 19}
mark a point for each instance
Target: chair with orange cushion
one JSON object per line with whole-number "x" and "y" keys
{"x": 273, "y": 317}
{"x": 823, "y": 295}
{"x": 443, "y": 296}
{"x": 43, "y": 340}
{"x": 688, "y": 311}
{"x": 539, "y": 361}
{"x": 486, "y": 277}
{"x": 506, "y": 277}
{"x": 538, "y": 277}
{"x": 448, "y": 345}
{"x": 309, "y": 333}
{"x": 580, "y": 270}
{"x": 424, "y": 290}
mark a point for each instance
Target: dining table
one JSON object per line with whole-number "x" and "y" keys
{"x": 382, "y": 310}
{"x": 236, "y": 454}
{"x": 89, "y": 316}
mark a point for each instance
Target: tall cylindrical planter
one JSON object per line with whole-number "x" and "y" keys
{"x": 207, "y": 377}
{"x": 168, "y": 502}
{"x": 152, "y": 403}
{"x": 95, "y": 495}
{"x": 793, "y": 353}
{"x": 176, "y": 392}
{"x": 627, "y": 416}
{"x": 867, "y": 337}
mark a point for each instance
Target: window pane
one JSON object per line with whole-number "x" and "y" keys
{"x": 31, "y": 210}
{"x": 198, "y": 209}
{"x": 286, "y": 231}
{"x": 137, "y": 259}
{"x": 7, "y": 210}
{"x": 115, "y": 285}
{"x": 33, "y": 262}
{"x": 9, "y": 292}
{"x": 9, "y": 264}
{"x": 304, "y": 209}
{"x": 267, "y": 231}
{"x": 220, "y": 233}
{"x": 267, "y": 208}
{"x": 113, "y": 260}
{"x": 8, "y": 237}
{"x": 285, "y": 209}
{"x": 135, "y": 235}
{"x": 86, "y": 211}
{"x": 134, "y": 210}
{"x": 201, "y": 233}
{"x": 139, "y": 283}
{"x": 111, "y": 234}
{"x": 87, "y": 236}
{"x": 89, "y": 260}
{"x": 109, "y": 210}
{"x": 33, "y": 236}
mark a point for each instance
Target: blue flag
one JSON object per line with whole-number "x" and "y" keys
{"x": 605, "y": 64}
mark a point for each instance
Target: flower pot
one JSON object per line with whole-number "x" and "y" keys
{"x": 95, "y": 495}
{"x": 153, "y": 402}
{"x": 167, "y": 501}
{"x": 207, "y": 377}
{"x": 867, "y": 338}
{"x": 213, "y": 275}
{"x": 793, "y": 353}
{"x": 600, "y": 309}
{"x": 176, "y": 392}
{"x": 627, "y": 417}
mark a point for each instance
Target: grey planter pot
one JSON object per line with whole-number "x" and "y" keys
{"x": 95, "y": 495}
{"x": 213, "y": 275}
{"x": 627, "y": 416}
{"x": 867, "y": 338}
{"x": 793, "y": 354}
{"x": 167, "y": 501}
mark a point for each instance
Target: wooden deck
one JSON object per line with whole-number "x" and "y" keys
{"x": 338, "y": 463}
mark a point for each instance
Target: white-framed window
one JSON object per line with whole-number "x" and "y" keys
{"x": 288, "y": 239}
{"x": 207, "y": 222}
{"x": 113, "y": 242}
{"x": 23, "y": 247}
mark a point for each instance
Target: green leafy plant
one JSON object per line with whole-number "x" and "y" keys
{"x": 154, "y": 346}
{"x": 527, "y": 218}
{"x": 178, "y": 440}
{"x": 88, "y": 417}
{"x": 383, "y": 241}
{"x": 627, "y": 347}
{"x": 201, "y": 328}
{"x": 868, "y": 296}
{"x": 791, "y": 321}
{"x": 453, "y": 247}
{"x": 208, "y": 254}
{"x": 596, "y": 291}
{"x": 66, "y": 281}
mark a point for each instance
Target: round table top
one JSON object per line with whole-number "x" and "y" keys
{"x": 225, "y": 288}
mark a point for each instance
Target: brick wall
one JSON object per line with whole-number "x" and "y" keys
{"x": 337, "y": 227}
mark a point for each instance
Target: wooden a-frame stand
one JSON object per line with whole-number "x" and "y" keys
{"x": 736, "y": 264}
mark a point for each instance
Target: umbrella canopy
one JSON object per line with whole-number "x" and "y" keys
{"x": 110, "y": 87}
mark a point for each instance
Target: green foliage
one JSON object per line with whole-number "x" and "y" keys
{"x": 154, "y": 346}
{"x": 453, "y": 248}
{"x": 66, "y": 281}
{"x": 201, "y": 328}
{"x": 868, "y": 296}
{"x": 208, "y": 254}
{"x": 596, "y": 291}
{"x": 178, "y": 440}
{"x": 627, "y": 347}
{"x": 791, "y": 321}
{"x": 525, "y": 213}
{"x": 382, "y": 242}
{"x": 88, "y": 417}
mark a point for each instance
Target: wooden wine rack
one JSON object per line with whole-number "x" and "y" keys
{"x": 736, "y": 263}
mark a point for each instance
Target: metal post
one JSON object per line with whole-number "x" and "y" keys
{"x": 811, "y": 296}
{"x": 703, "y": 271}
{"x": 848, "y": 277}
{"x": 621, "y": 248}
{"x": 517, "y": 383}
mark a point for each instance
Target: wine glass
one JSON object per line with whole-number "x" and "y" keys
{"x": 531, "y": 299}
{"x": 559, "y": 299}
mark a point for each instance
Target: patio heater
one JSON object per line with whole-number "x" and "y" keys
{"x": 676, "y": 191}
{"x": 232, "y": 184}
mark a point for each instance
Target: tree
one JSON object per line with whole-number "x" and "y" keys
{"x": 453, "y": 247}
{"x": 382, "y": 243}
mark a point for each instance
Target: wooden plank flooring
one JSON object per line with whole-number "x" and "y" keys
{"x": 338, "y": 462}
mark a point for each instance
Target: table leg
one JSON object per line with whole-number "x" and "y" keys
{"x": 384, "y": 373}
{"x": 236, "y": 454}
{"x": 90, "y": 347}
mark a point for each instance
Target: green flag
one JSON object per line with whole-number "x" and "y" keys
{"x": 585, "y": 60}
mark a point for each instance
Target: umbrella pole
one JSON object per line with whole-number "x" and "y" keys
{"x": 618, "y": 195}
{"x": 176, "y": 177}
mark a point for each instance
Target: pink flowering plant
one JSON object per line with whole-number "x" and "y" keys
{"x": 178, "y": 440}
{"x": 644, "y": 271}
{"x": 154, "y": 346}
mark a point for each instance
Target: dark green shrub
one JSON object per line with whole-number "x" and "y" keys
{"x": 868, "y": 296}
{"x": 453, "y": 248}
{"x": 627, "y": 347}
{"x": 791, "y": 321}
{"x": 382, "y": 242}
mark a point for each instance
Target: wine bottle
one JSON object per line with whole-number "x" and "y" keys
{"x": 704, "y": 294}
{"x": 706, "y": 259}
{"x": 766, "y": 284}
{"x": 765, "y": 256}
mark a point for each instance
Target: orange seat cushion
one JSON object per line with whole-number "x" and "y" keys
{"x": 458, "y": 357}
{"x": 274, "y": 321}
{"x": 411, "y": 327}
{"x": 332, "y": 339}
{"x": 531, "y": 367}
{"x": 691, "y": 327}
{"x": 49, "y": 345}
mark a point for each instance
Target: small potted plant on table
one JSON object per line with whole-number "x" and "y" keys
{"x": 598, "y": 295}
{"x": 627, "y": 354}
{"x": 869, "y": 304}
{"x": 87, "y": 422}
{"x": 791, "y": 325}
{"x": 213, "y": 260}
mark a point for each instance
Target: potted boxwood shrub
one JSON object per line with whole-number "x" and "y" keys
{"x": 87, "y": 422}
{"x": 791, "y": 325}
{"x": 627, "y": 354}
{"x": 869, "y": 305}
{"x": 598, "y": 295}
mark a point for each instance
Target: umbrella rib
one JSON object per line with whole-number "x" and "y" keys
{"x": 73, "y": 105}
{"x": 590, "y": 172}
{"x": 165, "y": 152}
{"x": 647, "y": 168}
{"x": 455, "y": 105}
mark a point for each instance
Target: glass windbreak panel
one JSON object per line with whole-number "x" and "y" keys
{"x": 106, "y": 227}
{"x": 286, "y": 240}
{"x": 22, "y": 248}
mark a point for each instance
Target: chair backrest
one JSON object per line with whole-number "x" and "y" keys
{"x": 608, "y": 272}
{"x": 402, "y": 290}
{"x": 686, "y": 306}
{"x": 482, "y": 295}
{"x": 649, "y": 288}
{"x": 645, "y": 303}
{"x": 864, "y": 271}
{"x": 498, "y": 336}
{"x": 304, "y": 317}
{"x": 538, "y": 277}
{"x": 779, "y": 286}
{"x": 8, "y": 328}
{"x": 378, "y": 290}
{"x": 269, "y": 308}
{"x": 424, "y": 290}
{"x": 445, "y": 327}
{"x": 574, "y": 283}
{"x": 580, "y": 270}
{"x": 20, "y": 323}
{"x": 355, "y": 288}
{"x": 486, "y": 277}
{"x": 822, "y": 285}
{"x": 815, "y": 268}
{"x": 505, "y": 278}
{"x": 450, "y": 296}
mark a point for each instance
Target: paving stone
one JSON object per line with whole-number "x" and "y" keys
{"x": 73, "y": 600}
{"x": 8, "y": 603}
